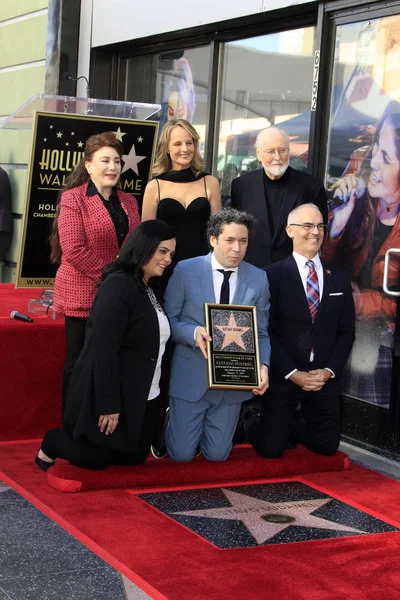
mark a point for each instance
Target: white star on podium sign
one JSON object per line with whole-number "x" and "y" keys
{"x": 253, "y": 513}
{"x": 233, "y": 333}
{"x": 131, "y": 161}
{"x": 118, "y": 134}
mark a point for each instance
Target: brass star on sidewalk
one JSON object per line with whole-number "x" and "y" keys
{"x": 233, "y": 333}
{"x": 265, "y": 519}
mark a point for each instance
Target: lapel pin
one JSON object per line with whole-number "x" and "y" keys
{"x": 328, "y": 272}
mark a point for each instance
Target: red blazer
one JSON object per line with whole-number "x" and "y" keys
{"x": 88, "y": 242}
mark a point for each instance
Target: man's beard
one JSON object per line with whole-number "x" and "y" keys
{"x": 276, "y": 171}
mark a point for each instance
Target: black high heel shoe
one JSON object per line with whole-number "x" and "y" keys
{"x": 43, "y": 464}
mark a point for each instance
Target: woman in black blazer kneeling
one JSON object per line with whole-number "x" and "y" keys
{"x": 114, "y": 396}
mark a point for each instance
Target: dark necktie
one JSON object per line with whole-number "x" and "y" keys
{"x": 312, "y": 290}
{"x": 224, "y": 296}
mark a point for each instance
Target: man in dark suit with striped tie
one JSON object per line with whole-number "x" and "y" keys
{"x": 312, "y": 324}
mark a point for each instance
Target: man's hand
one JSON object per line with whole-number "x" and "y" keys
{"x": 310, "y": 382}
{"x": 201, "y": 339}
{"x": 321, "y": 375}
{"x": 108, "y": 423}
{"x": 264, "y": 381}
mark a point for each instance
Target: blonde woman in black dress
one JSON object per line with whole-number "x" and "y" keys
{"x": 181, "y": 193}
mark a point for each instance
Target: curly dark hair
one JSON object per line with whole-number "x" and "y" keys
{"x": 229, "y": 215}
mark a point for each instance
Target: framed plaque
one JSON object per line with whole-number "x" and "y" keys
{"x": 233, "y": 355}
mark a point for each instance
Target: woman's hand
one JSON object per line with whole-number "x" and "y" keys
{"x": 345, "y": 188}
{"x": 108, "y": 423}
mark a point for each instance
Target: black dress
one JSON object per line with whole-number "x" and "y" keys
{"x": 188, "y": 223}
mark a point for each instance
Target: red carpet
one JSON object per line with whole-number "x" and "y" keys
{"x": 243, "y": 465}
{"x": 31, "y": 358}
{"x": 179, "y": 564}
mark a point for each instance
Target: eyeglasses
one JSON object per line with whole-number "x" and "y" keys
{"x": 271, "y": 153}
{"x": 310, "y": 226}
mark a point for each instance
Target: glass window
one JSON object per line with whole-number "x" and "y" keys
{"x": 178, "y": 80}
{"x": 267, "y": 80}
{"x": 363, "y": 174}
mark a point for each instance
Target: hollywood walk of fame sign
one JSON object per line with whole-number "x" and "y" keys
{"x": 233, "y": 356}
{"x": 57, "y": 148}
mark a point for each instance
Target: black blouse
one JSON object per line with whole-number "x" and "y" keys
{"x": 115, "y": 210}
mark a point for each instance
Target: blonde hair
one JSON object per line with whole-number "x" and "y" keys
{"x": 163, "y": 163}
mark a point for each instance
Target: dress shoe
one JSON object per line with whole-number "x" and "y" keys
{"x": 159, "y": 450}
{"x": 252, "y": 418}
{"x": 43, "y": 464}
{"x": 248, "y": 410}
{"x": 291, "y": 442}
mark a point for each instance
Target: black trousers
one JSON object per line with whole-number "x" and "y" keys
{"x": 319, "y": 431}
{"x": 75, "y": 339}
{"x": 58, "y": 444}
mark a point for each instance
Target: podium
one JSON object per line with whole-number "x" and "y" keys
{"x": 23, "y": 117}
{"x": 32, "y": 354}
{"x": 60, "y": 126}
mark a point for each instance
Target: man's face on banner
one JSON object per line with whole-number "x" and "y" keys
{"x": 385, "y": 167}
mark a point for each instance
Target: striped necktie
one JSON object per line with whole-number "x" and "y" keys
{"x": 312, "y": 290}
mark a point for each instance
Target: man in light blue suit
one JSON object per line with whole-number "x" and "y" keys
{"x": 200, "y": 416}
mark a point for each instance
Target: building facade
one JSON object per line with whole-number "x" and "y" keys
{"x": 327, "y": 73}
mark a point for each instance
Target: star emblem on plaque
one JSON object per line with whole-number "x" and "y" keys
{"x": 233, "y": 357}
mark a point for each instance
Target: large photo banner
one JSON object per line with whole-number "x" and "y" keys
{"x": 363, "y": 174}
{"x": 57, "y": 148}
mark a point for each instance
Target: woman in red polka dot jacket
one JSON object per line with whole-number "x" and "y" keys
{"x": 93, "y": 219}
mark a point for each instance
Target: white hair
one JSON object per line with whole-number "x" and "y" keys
{"x": 263, "y": 131}
{"x": 293, "y": 214}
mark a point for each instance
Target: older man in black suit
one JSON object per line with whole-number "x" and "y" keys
{"x": 312, "y": 323}
{"x": 270, "y": 193}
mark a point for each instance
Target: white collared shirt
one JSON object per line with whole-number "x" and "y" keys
{"x": 218, "y": 278}
{"x": 303, "y": 271}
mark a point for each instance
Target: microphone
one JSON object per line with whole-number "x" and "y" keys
{"x": 18, "y": 317}
{"x": 338, "y": 198}
{"x": 68, "y": 76}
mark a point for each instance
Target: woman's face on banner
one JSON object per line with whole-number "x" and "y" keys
{"x": 177, "y": 108}
{"x": 385, "y": 167}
